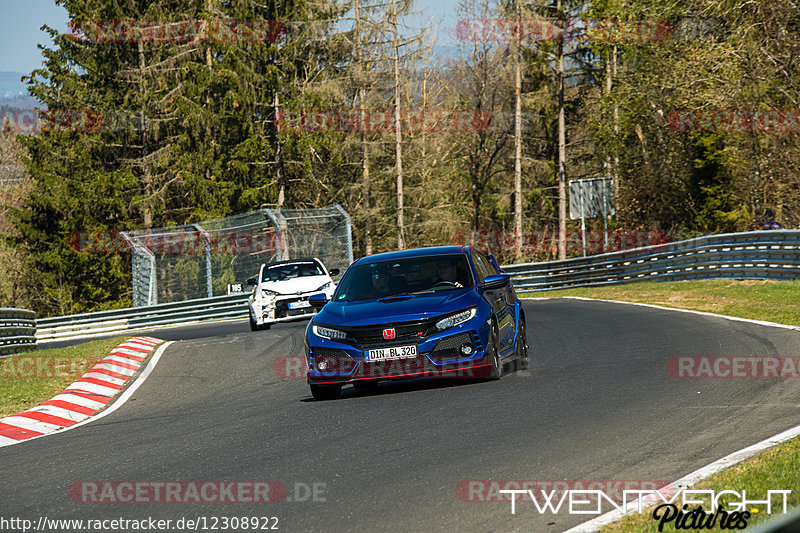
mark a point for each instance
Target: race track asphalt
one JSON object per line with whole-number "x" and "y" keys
{"x": 596, "y": 404}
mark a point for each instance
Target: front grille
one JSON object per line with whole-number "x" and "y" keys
{"x": 450, "y": 347}
{"x": 477, "y": 340}
{"x": 405, "y": 333}
{"x": 328, "y": 352}
{"x": 282, "y": 308}
{"x": 337, "y": 360}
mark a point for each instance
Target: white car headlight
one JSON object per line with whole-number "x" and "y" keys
{"x": 267, "y": 293}
{"x": 328, "y": 333}
{"x": 326, "y": 286}
{"x": 456, "y": 319}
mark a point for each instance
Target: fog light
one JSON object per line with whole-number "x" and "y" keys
{"x": 466, "y": 349}
{"x": 322, "y": 365}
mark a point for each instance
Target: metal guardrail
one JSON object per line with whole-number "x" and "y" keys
{"x": 755, "y": 255}
{"x": 773, "y": 255}
{"x": 17, "y": 331}
{"x": 74, "y": 326}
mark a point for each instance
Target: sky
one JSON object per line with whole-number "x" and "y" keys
{"x": 20, "y": 21}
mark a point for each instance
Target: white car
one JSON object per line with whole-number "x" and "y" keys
{"x": 282, "y": 289}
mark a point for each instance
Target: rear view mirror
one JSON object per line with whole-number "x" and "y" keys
{"x": 495, "y": 281}
{"x": 318, "y": 301}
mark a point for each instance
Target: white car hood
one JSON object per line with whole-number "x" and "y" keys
{"x": 295, "y": 285}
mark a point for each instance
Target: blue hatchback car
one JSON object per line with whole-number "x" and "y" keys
{"x": 430, "y": 312}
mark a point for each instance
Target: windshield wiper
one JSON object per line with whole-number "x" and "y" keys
{"x": 405, "y": 296}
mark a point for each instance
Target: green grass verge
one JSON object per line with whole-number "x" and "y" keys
{"x": 27, "y": 379}
{"x": 776, "y": 301}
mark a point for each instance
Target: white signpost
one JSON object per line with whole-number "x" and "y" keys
{"x": 592, "y": 197}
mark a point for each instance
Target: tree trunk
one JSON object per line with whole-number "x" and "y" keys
{"x": 365, "y": 154}
{"x": 279, "y": 159}
{"x": 397, "y": 133}
{"x": 147, "y": 214}
{"x": 518, "y": 141}
{"x": 615, "y": 166}
{"x": 562, "y": 171}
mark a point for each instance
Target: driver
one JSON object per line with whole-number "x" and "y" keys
{"x": 380, "y": 282}
{"x": 448, "y": 272}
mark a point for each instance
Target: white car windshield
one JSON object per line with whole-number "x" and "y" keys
{"x": 292, "y": 270}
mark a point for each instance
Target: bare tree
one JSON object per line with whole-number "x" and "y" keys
{"x": 362, "y": 101}
{"x": 518, "y": 135}
{"x": 562, "y": 146}
{"x": 482, "y": 81}
{"x": 401, "y": 243}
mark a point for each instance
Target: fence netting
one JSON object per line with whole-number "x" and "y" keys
{"x": 202, "y": 260}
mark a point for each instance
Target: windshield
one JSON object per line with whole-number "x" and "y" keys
{"x": 381, "y": 279}
{"x": 292, "y": 270}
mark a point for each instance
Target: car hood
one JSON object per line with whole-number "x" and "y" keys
{"x": 295, "y": 285}
{"x": 389, "y": 310}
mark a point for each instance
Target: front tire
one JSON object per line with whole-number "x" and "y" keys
{"x": 323, "y": 393}
{"x": 255, "y": 327}
{"x": 493, "y": 354}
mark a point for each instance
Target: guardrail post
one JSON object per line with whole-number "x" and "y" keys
{"x": 207, "y": 242}
{"x": 279, "y": 230}
{"x": 346, "y": 216}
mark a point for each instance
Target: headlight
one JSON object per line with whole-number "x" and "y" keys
{"x": 326, "y": 286}
{"x": 456, "y": 319}
{"x": 267, "y": 293}
{"x": 328, "y": 333}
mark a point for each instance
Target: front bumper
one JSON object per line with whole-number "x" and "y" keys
{"x": 331, "y": 362}
{"x": 277, "y": 309}
{"x": 394, "y": 372}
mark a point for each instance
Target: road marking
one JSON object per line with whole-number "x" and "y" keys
{"x": 91, "y": 387}
{"x": 29, "y": 424}
{"x": 62, "y": 412}
{"x": 82, "y": 400}
{"x": 130, "y": 390}
{"x": 115, "y": 368}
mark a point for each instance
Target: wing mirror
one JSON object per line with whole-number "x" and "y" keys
{"x": 252, "y": 281}
{"x": 318, "y": 301}
{"x": 495, "y": 281}
{"x": 334, "y": 272}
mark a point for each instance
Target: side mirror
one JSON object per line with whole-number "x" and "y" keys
{"x": 495, "y": 281}
{"x": 334, "y": 272}
{"x": 318, "y": 301}
{"x": 252, "y": 281}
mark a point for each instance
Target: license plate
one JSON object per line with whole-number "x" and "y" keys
{"x": 395, "y": 352}
{"x": 299, "y": 305}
